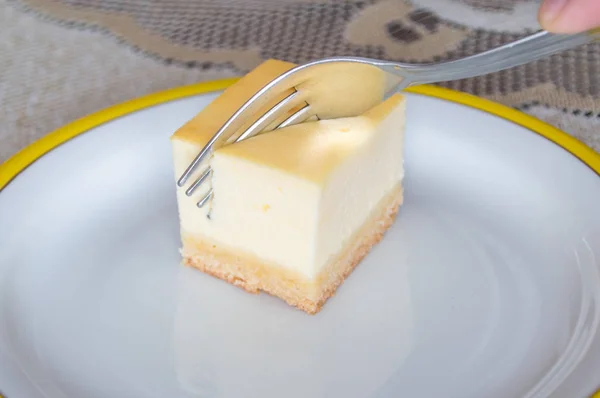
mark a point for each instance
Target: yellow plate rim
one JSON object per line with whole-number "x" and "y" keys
{"x": 12, "y": 167}
{"x": 21, "y": 160}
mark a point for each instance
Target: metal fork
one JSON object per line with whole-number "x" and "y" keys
{"x": 522, "y": 51}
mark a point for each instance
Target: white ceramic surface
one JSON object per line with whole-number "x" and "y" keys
{"x": 487, "y": 285}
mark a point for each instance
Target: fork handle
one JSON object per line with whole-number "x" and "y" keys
{"x": 519, "y": 52}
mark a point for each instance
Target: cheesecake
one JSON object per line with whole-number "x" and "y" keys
{"x": 294, "y": 210}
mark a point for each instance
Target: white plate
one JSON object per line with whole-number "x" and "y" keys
{"x": 487, "y": 285}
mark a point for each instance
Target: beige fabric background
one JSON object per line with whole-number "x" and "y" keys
{"x": 62, "y": 59}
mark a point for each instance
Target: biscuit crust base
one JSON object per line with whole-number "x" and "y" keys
{"x": 309, "y": 295}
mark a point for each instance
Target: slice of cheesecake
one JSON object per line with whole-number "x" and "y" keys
{"x": 296, "y": 209}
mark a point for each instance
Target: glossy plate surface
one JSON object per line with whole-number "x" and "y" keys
{"x": 487, "y": 285}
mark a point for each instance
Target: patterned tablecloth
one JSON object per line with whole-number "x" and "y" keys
{"x": 62, "y": 59}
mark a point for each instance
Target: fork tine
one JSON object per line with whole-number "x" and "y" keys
{"x": 268, "y": 117}
{"x": 199, "y": 181}
{"x": 205, "y": 199}
{"x": 298, "y": 117}
{"x": 255, "y": 128}
{"x": 192, "y": 166}
{"x": 231, "y": 125}
{"x": 234, "y": 120}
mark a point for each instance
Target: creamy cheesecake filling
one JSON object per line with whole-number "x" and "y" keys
{"x": 254, "y": 274}
{"x": 265, "y": 212}
{"x": 349, "y": 195}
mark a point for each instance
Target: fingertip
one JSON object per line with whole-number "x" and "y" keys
{"x": 569, "y": 16}
{"x": 550, "y": 11}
